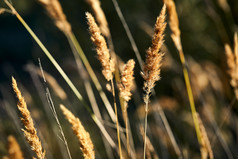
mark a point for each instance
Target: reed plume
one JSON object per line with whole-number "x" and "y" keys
{"x": 232, "y": 63}
{"x": 126, "y": 81}
{"x": 29, "y": 132}
{"x": 100, "y": 16}
{"x": 83, "y": 136}
{"x": 108, "y": 64}
{"x": 174, "y": 23}
{"x": 151, "y": 70}
{"x": 14, "y": 150}
{"x": 55, "y": 11}
{"x": 175, "y": 35}
{"x": 206, "y": 149}
{"x": 101, "y": 48}
{"x": 125, "y": 87}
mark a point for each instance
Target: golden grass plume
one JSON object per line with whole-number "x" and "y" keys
{"x": 232, "y": 63}
{"x": 101, "y": 48}
{"x": 29, "y": 132}
{"x": 83, "y": 136}
{"x": 174, "y": 23}
{"x": 14, "y": 150}
{"x": 100, "y": 16}
{"x": 127, "y": 80}
{"x": 206, "y": 149}
{"x": 151, "y": 70}
{"x": 55, "y": 11}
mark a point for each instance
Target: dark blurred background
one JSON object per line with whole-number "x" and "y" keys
{"x": 206, "y": 25}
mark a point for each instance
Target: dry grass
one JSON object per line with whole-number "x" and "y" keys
{"x": 101, "y": 48}
{"x": 209, "y": 90}
{"x": 151, "y": 71}
{"x": 30, "y": 131}
{"x": 55, "y": 11}
{"x": 86, "y": 144}
{"x": 14, "y": 150}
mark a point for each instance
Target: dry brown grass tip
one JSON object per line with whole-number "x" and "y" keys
{"x": 127, "y": 80}
{"x": 14, "y": 150}
{"x": 83, "y": 136}
{"x": 206, "y": 149}
{"x": 101, "y": 48}
{"x": 174, "y": 23}
{"x": 29, "y": 132}
{"x": 55, "y": 11}
{"x": 100, "y": 16}
{"x": 151, "y": 70}
{"x": 232, "y": 63}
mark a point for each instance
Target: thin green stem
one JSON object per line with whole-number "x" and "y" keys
{"x": 66, "y": 78}
{"x": 146, "y": 100}
{"x": 117, "y": 122}
{"x": 98, "y": 86}
{"x": 190, "y": 95}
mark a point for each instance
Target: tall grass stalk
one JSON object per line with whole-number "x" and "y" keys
{"x": 74, "y": 41}
{"x": 174, "y": 26}
{"x": 141, "y": 63}
{"x": 108, "y": 65}
{"x": 66, "y": 78}
{"x": 151, "y": 70}
{"x": 52, "y": 108}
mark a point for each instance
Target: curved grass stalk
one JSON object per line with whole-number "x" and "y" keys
{"x": 128, "y": 33}
{"x": 63, "y": 74}
{"x": 117, "y": 122}
{"x": 141, "y": 63}
{"x": 98, "y": 86}
{"x": 190, "y": 95}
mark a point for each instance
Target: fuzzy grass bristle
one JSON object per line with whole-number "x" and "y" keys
{"x": 55, "y": 11}
{"x": 30, "y": 131}
{"x": 101, "y": 48}
{"x": 127, "y": 80}
{"x": 232, "y": 63}
{"x": 14, "y": 150}
{"x": 174, "y": 23}
{"x": 100, "y": 16}
{"x": 86, "y": 144}
{"x": 206, "y": 149}
{"x": 151, "y": 71}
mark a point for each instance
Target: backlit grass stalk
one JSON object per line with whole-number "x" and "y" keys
{"x": 30, "y": 132}
{"x": 151, "y": 70}
{"x": 174, "y": 26}
{"x": 107, "y": 63}
{"x": 66, "y": 78}
{"x": 125, "y": 93}
{"x": 86, "y": 144}
{"x": 55, "y": 11}
{"x": 232, "y": 63}
{"x": 14, "y": 150}
{"x": 141, "y": 63}
{"x": 206, "y": 149}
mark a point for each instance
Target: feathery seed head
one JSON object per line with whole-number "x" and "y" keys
{"x": 100, "y": 16}
{"x": 14, "y": 150}
{"x": 205, "y": 143}
{"x": 101, "y": 48}
{"x": 83, "y": 136}
{"x": 232, "y": 63}
{"x": 29, "y": 132}
{"x": 55, "y": 11}
{"x": 174, "y": 23}
{"x": 151, "y": 70}
{"x": 127, "y": 80}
